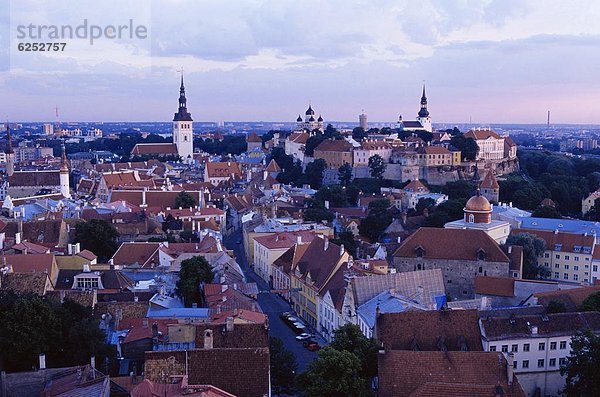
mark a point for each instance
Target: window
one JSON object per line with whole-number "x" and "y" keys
{"x": 541, "y": 363}
{"x": 492, "y": 348}
{"x": 552, "y": 345}
{"x": 575, "y": 277}
{"x": 552, "y": 362}
{"x": 565, "y": 276}
{"x": 514, "y": 348}
{"x": 563, "y": 344}
{"x": 556, "y": 266}
{"x": 546, "y": 255}
{"x": 567, "y": 257}
{"x": 557, "y": 256}
{"x": 541, "y": 346}
{"x": 566, "y": 267}
{"x": 526, "y": 347}
{"x": 575, "y": 267}
{"x": 556, "y": 275}
{"x": 594, "y": 268}
{"x": 504, "y": 348}
{"x": 515, "y": 364}
{"x": 576, "y": 259}
{"x": 525, "y": 363}
{"x": 562, "y": 361}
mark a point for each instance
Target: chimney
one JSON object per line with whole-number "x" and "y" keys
{"x": 229, "y": 324}
{"x": 510, "y": 249}
{"x": 42, "y": 361}
{"x": 510, "y": 367}
{"x": 154, "y": 330}
{"x": 327, "y": 204}
{"x": 420, "y": 293}
{"x": 342, "y": 249}
{"x": 298, "y": 239}
{"x": 483, "y": 303}
{"x": 18, "y": 238}
{"x": 534, "y": 330}
{"x": 93, "y": 362}
{"x": 208, "y": 339}
{"x": 326, "y": 244}
{"x": 136, "y": 299}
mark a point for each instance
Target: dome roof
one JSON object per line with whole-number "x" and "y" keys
{"x": 478, "y": 203}
{"x": 320, "y": 118}
{"x": 299, "y": 119}
{"x": 309, "y": 111}
{"x": 311, "y": 118}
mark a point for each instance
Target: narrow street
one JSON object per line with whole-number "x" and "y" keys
{"x": 272, "y": 305}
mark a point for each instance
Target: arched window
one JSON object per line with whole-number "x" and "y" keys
{"x": 471, "y": 218}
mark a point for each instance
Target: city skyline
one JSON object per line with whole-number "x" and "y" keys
{"x": 486, "y": 62}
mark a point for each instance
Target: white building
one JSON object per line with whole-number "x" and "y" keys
{"x": 370, "y": 148}
{"x": 539, "y": 345}
{"x": 491, "y": 145}
{"x": 183, "y": 135}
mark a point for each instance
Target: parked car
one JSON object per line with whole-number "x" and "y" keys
{"x": 299, "y": 326}
{"x": 303, "y": 336}
{"x": 313, "y": 346}
{"x": 292, "y": 319}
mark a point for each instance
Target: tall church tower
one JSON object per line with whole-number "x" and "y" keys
{"x": 183, "y": 135}
{"x": 10, "y": 153}
{"x": 65, "y": 190}
{"x": 424, "y": 113}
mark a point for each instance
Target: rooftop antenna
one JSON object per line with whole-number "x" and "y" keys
{"x": 58, "y": 129}
{"x": 548, "y": 121}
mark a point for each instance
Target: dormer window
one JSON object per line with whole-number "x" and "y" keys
{"x": 557, "y": 247}
{"x": 481, "y": 255}
{"x": 419, "y": 252}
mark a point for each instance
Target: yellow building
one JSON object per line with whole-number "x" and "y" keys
{"x": 316, "y": 267}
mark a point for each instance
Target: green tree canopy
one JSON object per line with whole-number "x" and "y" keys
{"x": 316, "y": 212}
{"x": 582, "y": 367}
{"x": 358, "y": 134}
{"x": 185, "y": 200}
{"x": 350, "y": 338}
{"x": 424, "y": 203}
{"x": 533, "y": 248}
{"x": 345, "y": 174}
{"x": 346, "y": 238}
{"x": 591, "y": 303}
{"x": 313, "y": 174}
{"x": 545, "y": 211}
{"x": 379, "y": 218}
{"x": 467, "y": 146}
{"x": 98, "y": 236}
{"x": 66, "y": 333}
{"x": 556, "y": 307}
{"x": 193, "y": 272}
{"x": 335, "y": 373}
{"x": 283, "y": 367}
{"x": 335, "y": 194}
{"x": 377, "y": 166}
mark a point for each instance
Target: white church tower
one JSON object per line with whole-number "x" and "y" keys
{"x": 65, "y": 190}
{"x": 423, "y": 116}
{"x": 183, "y": 136}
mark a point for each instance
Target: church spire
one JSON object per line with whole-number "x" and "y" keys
{"x": 64, "y": 163}
{"x": 182, "y": 113}
{"x": 423, "y": 112}
{"x": 9, "y": 147}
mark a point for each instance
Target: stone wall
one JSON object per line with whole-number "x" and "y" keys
{"x": 459, "y": 276}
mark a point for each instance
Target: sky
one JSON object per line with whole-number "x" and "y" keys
{"x": 489, "y": 61}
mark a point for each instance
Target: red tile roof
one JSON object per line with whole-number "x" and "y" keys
{"x": 465, "y": 245}
{"x": 567, "y": 241}
{"x": 285, "y": 239}
{"x": 332, "y": 145}
{"x": 481, "y": 134}
{"x": 31, "y": 263}
{"x": 434, "y": 373}
{"x": 154, "y": 148}
{"x": 37, "y": 178}
{"x": 223, "y": 169}
{"x": 497, "y": 286}
{"x": 429, "y": 330}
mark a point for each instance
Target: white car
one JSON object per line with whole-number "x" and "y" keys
{"x": 299, "y": 325}
{"x": 303, "y": 336}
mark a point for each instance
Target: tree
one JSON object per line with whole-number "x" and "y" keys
{"x": 358, "y": 134}
{"x": 334, "y": 373}
{"x": 98, "y": 236}
{"x": 582, "y": 367}
{"x": 345, "y": 174}
{"x": 334, "y": 194}
{"x": 350, "y": 338}
{"x": 65, "y": 332}
{"x": 545, "y": 211}
{"x": 591, "y": 303}
{"x": 185, "y": 200}
{"x": 313, "y": 174}
{"x": 193, "y": 272}
{"x": 283, "y": 367}
{"x": 467, "y": 146}
{"x": 377, "y": 166}
{"x": 424, "y": 203}
{"x": 377, "y": 221}
{"x": 556, "y": 307}
{"x": 533, "y": 248}
{"x": 346, "y": 238}
{"x": 458, "y": 190}
{"x": 316, "y": 212}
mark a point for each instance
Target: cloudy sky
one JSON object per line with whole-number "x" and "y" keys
{"x": 494, "y": 61}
